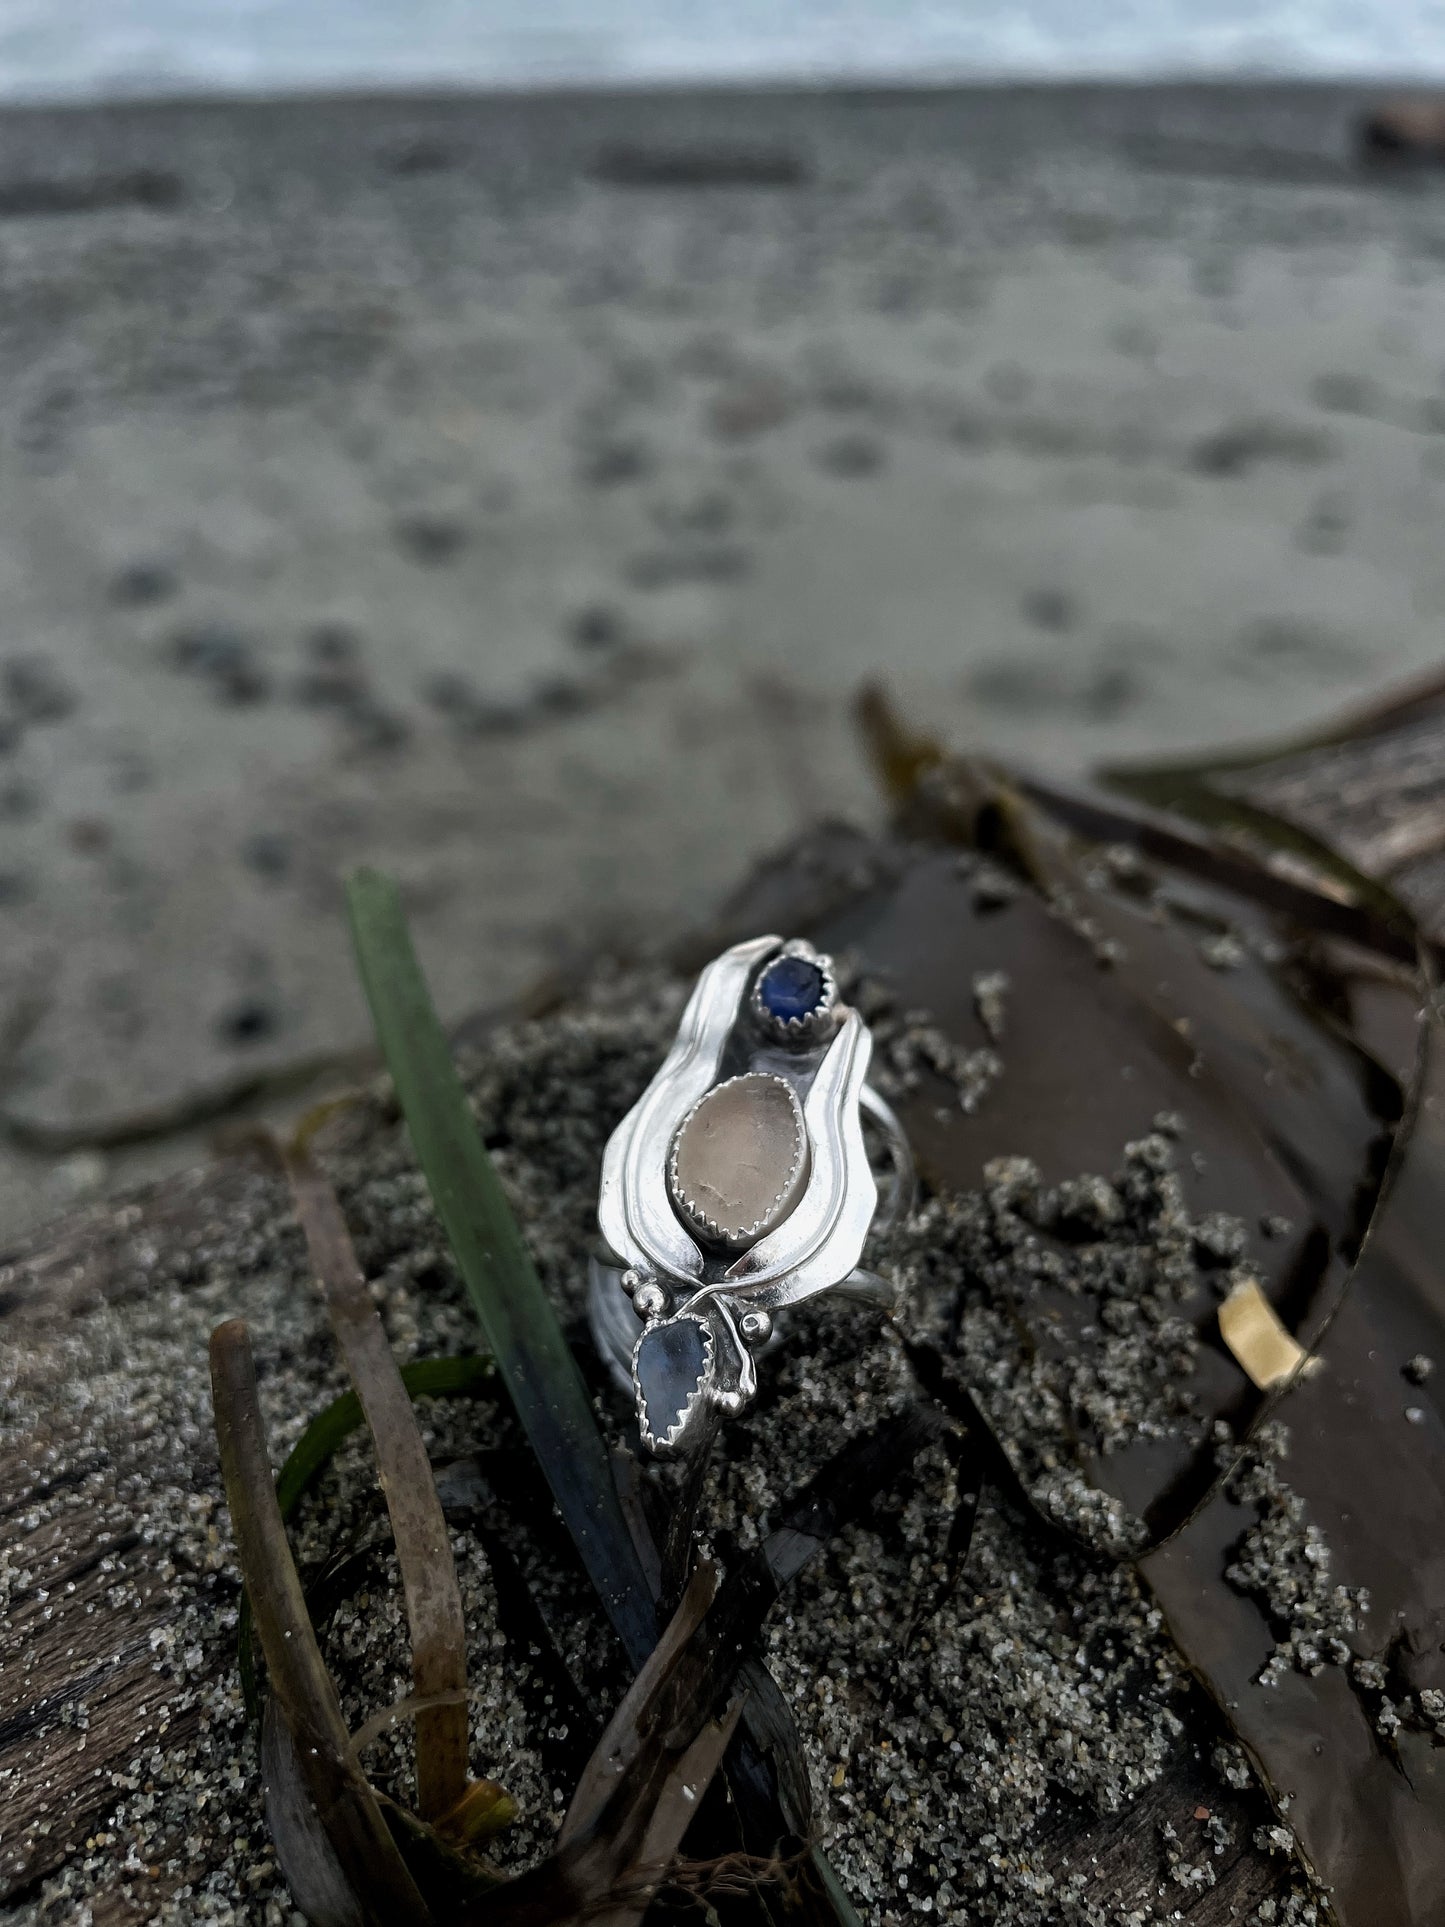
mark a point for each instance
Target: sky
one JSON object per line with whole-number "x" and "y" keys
{"x": 66, "y": 49}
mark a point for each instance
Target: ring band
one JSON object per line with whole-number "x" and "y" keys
{"x": 738, "y": 1185}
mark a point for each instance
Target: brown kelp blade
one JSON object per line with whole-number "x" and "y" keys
{"x": 662, "y": 1740}
{"x": 322, "y": 1887}
{"x": 608, "y": 1843}
{"x": 423, "y": 1546}
{"x": 1355, "y": 1744}
{"x": 624, "y": 1739}
{"x": 708, "y": 1637}
{"x": 1139, "y": 992}
{"x": 359, "y": 1843}
{"x": 1367, "y": 790}
{"x": 1284, "y": 1050}
{"x": 673, "y": 1812}
{"x": 444, "y": 1861}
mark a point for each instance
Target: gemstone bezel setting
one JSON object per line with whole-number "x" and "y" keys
{"x": 781, "y": 1017}
{"x": 698, "y": 1389}
{"x": 694, "y": 1212}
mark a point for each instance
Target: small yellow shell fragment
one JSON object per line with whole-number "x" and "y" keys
{"x": 1249, "y": 1325}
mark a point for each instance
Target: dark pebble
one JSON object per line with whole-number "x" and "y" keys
{"x": 1344, "y": 392}
{"x": 243, "y": 685}
{"x": 1050, "y": 609}
{"x": 330, "y": 686}
{"x": 455, "y": 696}
{"x": 622, "y": 164}
{"x": 1114, "y": 688}
{"x": 130, "y": 773}
{"x": 10, "y": 735}
{"x": 842, "y": 392}
{"x": 561, "y": 696}
{"x": 430, "y": 539}
{"x": 450, "y": 691}
{"x": 671, "y": 1360}
{"x": 750, "y": 408}
{"x": 1324, "y": 532}
{"x": 247, "y": 1023}
{"x": 268, "y": 853}
{"x": 16, "y": 887}
{"x": 333, "y": 642}
{"x": 1289, "y": 642}
{"x": 709, "y": 512}
{"x": 89, "y": 193}
{"x": 418, "y": 154}
{"x": 1240, "y": 446}
{"x": 35, "y": 693}
{"x": 1007, "y": 382}
{"x": 491, "y": 718}
{"x": 663, "y": 568}
{"x": 608, "y": 464}
{"x": 373, "y": 728}
{"x": 90, "y": 835}
{"x": 19, "y": 801}
{"x": 596, "y": 627}
{"x": 210, "y": 649}
{"x": 139, "y": 585}
{"x": 1011, "y": 684}
{"x": 852, "y": 456}
{"x": 898, "y": 293}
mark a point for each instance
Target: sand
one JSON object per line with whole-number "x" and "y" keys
{"x": 389, "y": 481}
{"x": 1005, "y": 1735}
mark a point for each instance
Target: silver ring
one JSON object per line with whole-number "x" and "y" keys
{"x": 739, "y": 1184}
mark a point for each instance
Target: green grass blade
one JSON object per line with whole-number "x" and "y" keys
{"x": 832, "y": 1888}
{"x": 329, "y": 1430}
{"x": 519, "y": 1323}
{"x": 319, "y": 1444}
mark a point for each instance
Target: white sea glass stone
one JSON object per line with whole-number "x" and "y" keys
{"x": 740, "y": 1159}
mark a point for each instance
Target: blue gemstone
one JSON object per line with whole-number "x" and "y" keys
{"x": 671, "y": 1364}
{"x": 791, "y": 987}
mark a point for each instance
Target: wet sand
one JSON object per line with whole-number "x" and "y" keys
{"x": 486, "y": 490}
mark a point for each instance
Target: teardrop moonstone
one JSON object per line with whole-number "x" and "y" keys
{"x": 670, "y": 1366}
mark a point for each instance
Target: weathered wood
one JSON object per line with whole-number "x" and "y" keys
{"x": 87, "y": 1599}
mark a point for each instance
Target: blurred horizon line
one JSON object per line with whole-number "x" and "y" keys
{"x": 181, "y": 93}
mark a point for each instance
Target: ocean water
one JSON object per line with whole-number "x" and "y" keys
{"x": 87, "y": 49}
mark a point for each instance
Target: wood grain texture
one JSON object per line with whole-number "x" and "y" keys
{"x": 85, "y": 1688}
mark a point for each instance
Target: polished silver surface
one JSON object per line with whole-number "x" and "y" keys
{"x": 700, "y": 1257}
{"x": 634, "y": 1209}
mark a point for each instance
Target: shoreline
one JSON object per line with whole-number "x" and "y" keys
{"x": 783, "y": 86}
{"x": 1221, "y": 86}
{"x": 930, "y": 79}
